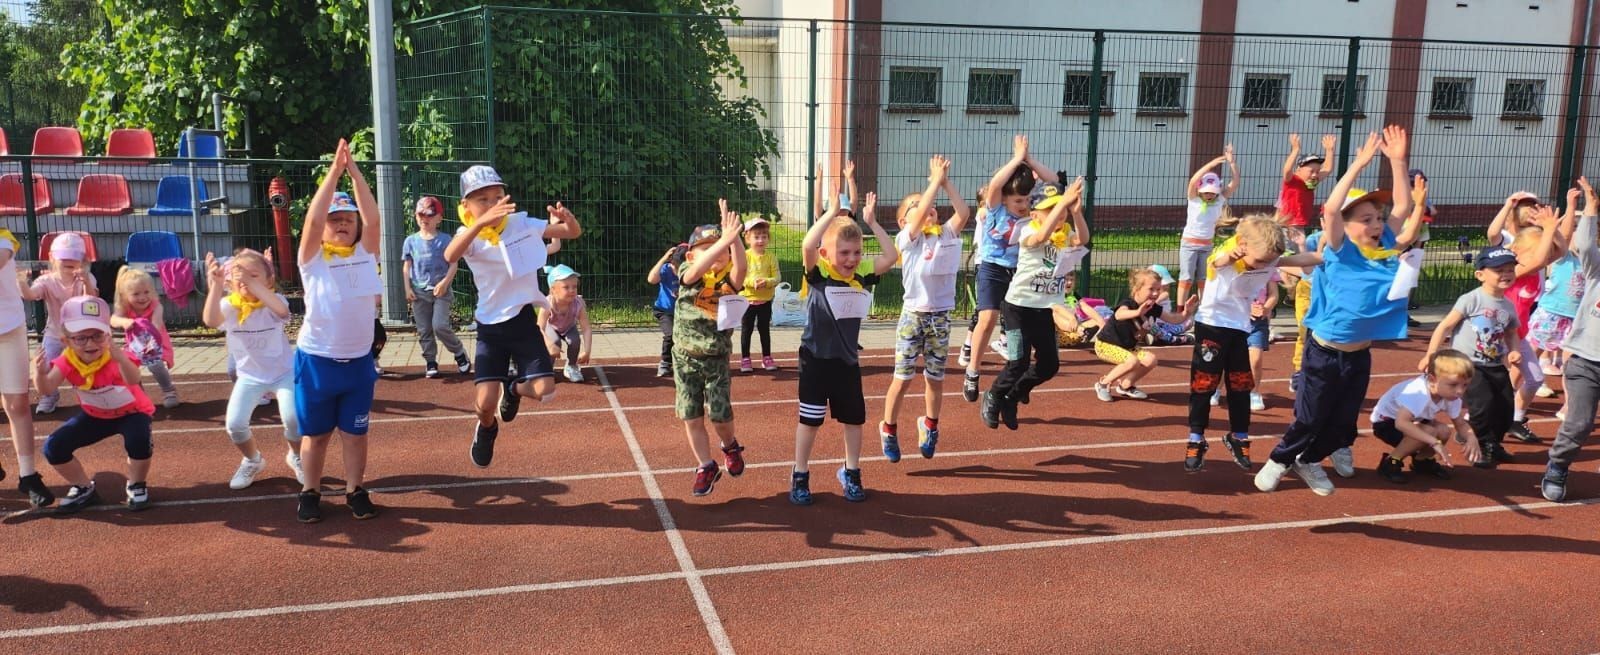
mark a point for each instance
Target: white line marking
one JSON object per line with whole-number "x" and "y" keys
{"x": 680, "y": 550}
{"x": 210, "y": 617}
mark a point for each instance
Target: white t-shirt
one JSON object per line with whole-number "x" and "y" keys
{"x": 259, "y": 347}
{"x": 928, "y": 268}
{"x": 1202, "y": 222}
{"x": 341, "y": 306}
{"x": 1230, "y": 291}
{"x": 1035, "y": 283}
{"x": 1413, "y": 395}
{"x": 11, "y": 312}
{"x": 499, "y": 296}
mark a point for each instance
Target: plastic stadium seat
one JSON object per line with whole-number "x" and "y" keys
{"x": 61, "y": 141}
{"x": 138, "y": 143}
{"x": 172, "y": 196}
{"x": 4, "y": 148}
{"x": 11, "y": 195}
{"x": 88, "y": 243}
{"x": 205, "y": 147}
{"x": 102, "y": 194}
{"x": 152, "y": 247}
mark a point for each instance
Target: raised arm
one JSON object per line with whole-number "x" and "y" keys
{"x": 1294, "y": 156}
{"x": 1569, "y": 222}
{"x": 563, "y": 224}
{"x": 317, "y": 211}
{"x": 1396, "y": 147}
{"x": 1412, "y": 229}
{"x": 211, "y": 311}
{"x": 820, "y": 205}
{"x": 654, "y": 276}
{"x": 1333, "y": 208}
{"x": 961, "y": 213}
{"x": 371, "y": 219}
{"x": 1193, "y": 190}
{"x": 1445, "y": 328}
{"x": 938, "y": 172}
{"x": 888, "y": 255}
{"x": 463, "y": 239}
{"x": 1233, "y": 172}
{"x": 1019, "y": 155}
{"x": 1327, "y": 156}
{"x": 1080, "y": 225}
{"x": 1542, "y": 254}
{"x": 732, "y": 225}
{"x": 730, "y": 236}
{"x": 1043, "y": 172}
{"x": 1497, "y": 227}
{"x": 847, "y": 184}
{"x": 1052, "y": 221}
{"x": 1583, "y": 239}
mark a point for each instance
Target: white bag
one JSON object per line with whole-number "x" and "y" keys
{"x": 1406, "y": 278}
{"x": 788, "y": 309}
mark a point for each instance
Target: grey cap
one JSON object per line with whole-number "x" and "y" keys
{"x": 479, "y": 177}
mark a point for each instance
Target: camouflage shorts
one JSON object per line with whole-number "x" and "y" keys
{"x": 703, "y": 386}
{"x": 924, "y": 334}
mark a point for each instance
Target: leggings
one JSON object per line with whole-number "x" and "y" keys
{"x": 1221, "y": 358}
{"x": 242, "y": 403}
{"x": 758, "y": 317}
{"x": 1031, "y": 331}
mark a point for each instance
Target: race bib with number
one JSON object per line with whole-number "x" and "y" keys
{"x": 1410, "y": 272}
{"x": 848, "y": 302}
{"x": 1067, "y": 260}
{"x": 730, "y": 311}
{"x": 356, "y": 276}
{"x": 107, "y": 398}
{"x": 524, "y": 253}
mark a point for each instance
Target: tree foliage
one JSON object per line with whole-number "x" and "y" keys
{"x": 31, "y": 92}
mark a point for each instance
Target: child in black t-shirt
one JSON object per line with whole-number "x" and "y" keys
{"x": 1119, "y": 344}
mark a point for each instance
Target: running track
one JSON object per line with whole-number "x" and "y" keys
{"x": 1078, "y": 533}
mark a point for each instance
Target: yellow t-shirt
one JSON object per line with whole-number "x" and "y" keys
{"x": 760, "y": 267}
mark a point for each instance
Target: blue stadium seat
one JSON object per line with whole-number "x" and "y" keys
{"x": 151, "y": 247}
{"x": 205, "y": 147}
{"x": 173, "y": 199}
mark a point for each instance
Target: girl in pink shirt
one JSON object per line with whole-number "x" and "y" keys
{"x": 68, "y": 277}
{"x": 144, "y": 328}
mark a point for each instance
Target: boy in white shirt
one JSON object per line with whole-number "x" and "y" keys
{"x": 1408, "y": 415}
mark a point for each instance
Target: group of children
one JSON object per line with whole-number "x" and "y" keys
{"x": 1522, "y": 332}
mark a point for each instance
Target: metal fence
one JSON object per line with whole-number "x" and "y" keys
{"x": 496, "y": 83}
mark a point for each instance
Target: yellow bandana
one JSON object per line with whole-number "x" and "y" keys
{"x": 87, "y": 370}
{"x": 244, "y": 305}
{"x": 714, "y": 277}
{"x": 329, "y": 250}
{"x": 491, "y": 235}
{"x": 827, "y": 271}
{"x": 1377, "y": 253}
{"x": 1058, "y": 238}
{"x": 932, "y": 229}
{"x": 15, "y": 244}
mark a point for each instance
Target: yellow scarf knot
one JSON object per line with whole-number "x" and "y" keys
{"x": 827, "y": 271}
{"x": 244, "y": 305}
{"x": 490, "y": 235}
{"x": 1058, "y": 238}
{"x": 329, "y": 251}
{"x": 15, "y": 244}
{"x": 88, "y": 370}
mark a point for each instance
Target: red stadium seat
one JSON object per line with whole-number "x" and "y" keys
{"x": 4, "y": 149}
{"x": 88, "y": 245}
{"x": 62, "y": 141}
{"x": 102, "y": 195}
{"x": 11, "y": 195}
{"x": 136, "y": 143}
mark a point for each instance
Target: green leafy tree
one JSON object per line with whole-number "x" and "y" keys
{"x": 32, "y": 94}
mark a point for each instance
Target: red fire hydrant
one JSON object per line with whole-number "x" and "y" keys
{"x": 278, "y": 197}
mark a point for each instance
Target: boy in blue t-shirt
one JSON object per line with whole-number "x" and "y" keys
{"x": 664, "y": 274}
{"x": 1349, "y": 310}
{"x": 428, "y": 278}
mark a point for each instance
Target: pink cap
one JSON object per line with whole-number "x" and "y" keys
{"x": 86, "y": 313}
{"x": 1210, "y": 183}
{"x": 429, "y": 206}
{"x": 68, "y": 245}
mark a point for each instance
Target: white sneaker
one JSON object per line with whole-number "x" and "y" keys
{"x": 1131, "y": 392}
{"x": 1257, "y": 403}
{"x": 1102, "y": 392}
{"x": 248, "y": 470}
{"x": 998, "y": 345}
{"x": 169, "y": 399}
{"x": 1315, "y": 477}
{"x": 47, "y": 404}
{"x": 573, "y": 374}
{"x": 1216, "y": 398}
{"x": 966, "y": 355}
{"x": 378, "y": 368}
{"x": 1545, "y": 392}
{"x": 1267, "y": 478}
{"x": 292, "y": 458}
{"x": 1344, "y": 463}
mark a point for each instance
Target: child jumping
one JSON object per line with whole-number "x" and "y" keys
{"x": 713, "y": 269}
{"x": 1297, "y": 197}
{"x": 1121, "y": 343}
{"x": 1581, "y": 375}
{"x": 111, "y": 400}
{"x": 139, "y": 315}
{"x": 1408, "y": 415}
{"x": 565, "y": 325}
{"x": 68, "y": 277}
{"x": 14, "y": 371}
{"x": 665, "y": 276}
{"x": 760, "y": 283}
{"x": 930, "y": 255}
{"x": 830, "y": 371}
{"x": 334, "y": 372}
{"x": 1206, "y": 198}
{"x": 428, "y": 279}
{"x": 243, "y": 302}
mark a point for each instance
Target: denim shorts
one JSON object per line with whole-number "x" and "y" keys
{"x": 992, "y": 282}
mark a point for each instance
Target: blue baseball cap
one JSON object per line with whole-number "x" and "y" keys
{"x": 1495, "y": 257}
{"x": 342, "y": 202}
{"x": 479, "y": 177}
{"x": 1166, "y": 275}
{"x": 559, "y": 272}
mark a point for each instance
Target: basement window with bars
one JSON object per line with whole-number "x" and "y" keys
{"x": 1452, "y": 98}
{"x": 993, "y": 89}
{"x": 1075, "y": 93}
{"x": 1524, "y": 99}
{"x": 913, "y": 88}
{"x": 1264, "y": 94}
{"x": 1333, "y": 90}
{"x": 1162, "y": 93}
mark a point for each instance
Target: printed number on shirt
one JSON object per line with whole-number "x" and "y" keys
{"x": 358, "y": 276}
{"x": 524, "y": 253}
{"x": 847, "y": 303}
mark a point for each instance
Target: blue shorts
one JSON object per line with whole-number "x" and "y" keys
{"x": 333, "y": 393}
{"x": 516, "y": 341}
{"x": 85, "y": 430}
{"x": 992, "y": 282}
{"x": 1260, "y": 334}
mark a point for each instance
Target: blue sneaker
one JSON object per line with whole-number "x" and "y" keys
{"x": 800, "y": 488}
{"x": 891, "y": 443}
{"x": 1554, "y": 484}
{"x": 927, "y": 438}
{"x": 850, "y": 481}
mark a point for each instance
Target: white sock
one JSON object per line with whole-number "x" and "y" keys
{"x": 25, "y": 465}
{"x": 1519, "y": 415}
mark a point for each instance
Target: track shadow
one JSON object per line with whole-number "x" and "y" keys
{"x": 1504, "y": 543}
{"x": 29, "y": 595}
{"x": 1220, "y": 478}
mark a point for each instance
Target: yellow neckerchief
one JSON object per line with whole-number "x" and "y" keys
{"x": 714, "y": 277}
{"x": 1058, "y": 238}
{"x": 1227, "y": 246}
{"x": 827, "y": 271}
{"x": 244, "y": 305}
{"x": 1377, "y": 253}
{"x": 490, "y": 235}
{"x": 87, "y": 370}
{"x": 933, "y": 229}
{"x": 330, "y": 250}
{"x": 15, "y": 244}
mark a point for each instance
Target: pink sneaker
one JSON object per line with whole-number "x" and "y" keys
{"x": 744, "y": 365}
{"x": 768, "y": 364}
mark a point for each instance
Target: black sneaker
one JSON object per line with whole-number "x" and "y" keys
{"x": 463, "y": 364}
{"x": 38, "y": 494}
{"x": 360, "y": 503}
{"x": 989, "y": 411}
{"x": 1487, "y": 461}
{"x": 1500, "y": 454}
{"x": 1239, "y": 449}
{"x": 77, "y": 499}
{"x": 138, "y": 496}
{"x": 430, "y": 370}
{"x": 800, "y": 488}
{"x": 310, "y": 507}
{"x": 1521, "y": 431}
{"x": 969, "y": 388}
{"x": 1194, "y": 456}
{"x": 483, "y": 445}
{"x": 1008, "y": 413}
{"x": 1429, "y": 466}
{"x": 509, "y": 402}
{"x": 1392, "y": 469}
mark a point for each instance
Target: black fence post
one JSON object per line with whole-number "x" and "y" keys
{"x": 29, "y": 209}
{"x": 1096, "y": 71}
{"x": 1569, "y": 145}
{"x": 1347, "y": 114}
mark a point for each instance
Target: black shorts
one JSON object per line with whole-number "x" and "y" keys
{"x": 830, "y": 384}
{"x": 515, "y": 341}
{"x": 1387, "y": 432}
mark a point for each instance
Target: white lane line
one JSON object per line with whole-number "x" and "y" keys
{"x": 1070, "y": 542}
{"x": 680, "y": 550}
